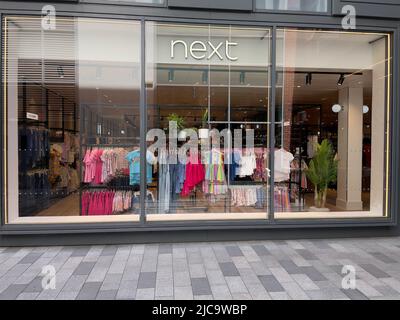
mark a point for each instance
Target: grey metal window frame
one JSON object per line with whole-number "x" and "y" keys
{"x": 61, "y": 228}
{"x": 125, "y": 3}
{"x": 295, "y": 12}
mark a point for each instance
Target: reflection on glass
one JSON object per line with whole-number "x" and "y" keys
{"x": 298, "y": 5}
{"x": 330, "y": 123}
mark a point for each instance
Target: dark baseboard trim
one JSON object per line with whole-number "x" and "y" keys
{"x": 195, "y": 236}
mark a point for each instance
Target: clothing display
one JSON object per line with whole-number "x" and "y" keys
{"x": 243, "y": 195}
{"x": 102, "y": 164}
{"x": 33, "y": 147}
{"x": 247, "y": 165}
{"x": 281, "y": 198}
{"x": 283, "y": 159}
{"x": 195, "y": 174}
{"x": 214, "y": 180}
{"x": 261, "y": 170}
{"x": 133, "y": 159}
{"x": 311, "y": 145}
{"x": 35, "y": 191}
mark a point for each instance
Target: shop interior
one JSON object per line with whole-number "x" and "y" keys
{"x": 78, "y": 142}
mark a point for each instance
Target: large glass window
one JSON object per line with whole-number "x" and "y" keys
{"x": 296, "y": 5}
{"x": 72, "y": 104}
{"x": 332, "y": 120}
{"x": 73, "y": 126}
{"x": 212, "y": 82}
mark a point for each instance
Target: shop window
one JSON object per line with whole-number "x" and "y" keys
{"x": 72, "y": 105}
{"x": 332, "y": 119}
{"x": 296, "y": 5}
{"x": 207, "y": 81}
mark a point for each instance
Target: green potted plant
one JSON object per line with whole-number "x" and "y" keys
{"x": 321, "y": 171}
{"x": 180, "y": 124}
{"x": 204, "y": 131}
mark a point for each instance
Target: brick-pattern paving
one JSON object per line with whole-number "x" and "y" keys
{"x": 296, "y": 269}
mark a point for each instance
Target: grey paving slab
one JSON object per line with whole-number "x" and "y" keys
{"x": 89, "y": 291}
{"x": 147, "y": 280}
{"x": 229, "y": 269}
{"x": 12, "y": 292}
{"x": 221, "y": 292}
{"x": 354, "y": 294}
{"x": 183, "y": 293}
{"x": 31, "y": 257}
{"x": 165, "y": 249}
{"x": 200, "y": 286}
{"x": 106, "y": 295}
{"x": 294, "y": 269}
{"x": 234, "y": 251}
{"x": 145, "y": 294}
{"x": 261, "y": 250}
{"x": 375, "y": 271}
{"x": 271, "y": 284}
{"x": 84, "y": 268}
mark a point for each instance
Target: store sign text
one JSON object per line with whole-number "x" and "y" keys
{"x": 200, "y": 50}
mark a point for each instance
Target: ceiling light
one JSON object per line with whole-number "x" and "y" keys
{"x": 336, "y": 108}
{"x": 341, "y": 80}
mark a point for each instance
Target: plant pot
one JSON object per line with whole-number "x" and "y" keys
{"x": 182, "y": 135}
{"x": 204, "y": 133}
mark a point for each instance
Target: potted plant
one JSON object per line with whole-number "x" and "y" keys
{"x": 204, "y": 131}
{"x": 321, "y": 171}
{"x": 180, "y": 124}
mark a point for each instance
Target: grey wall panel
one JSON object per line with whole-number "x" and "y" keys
{"x": 194, "y": 236}
{"x": 370, "y": 8}
{"x": 243, "y": 5}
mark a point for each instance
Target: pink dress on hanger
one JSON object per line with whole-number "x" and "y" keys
{"x": 195, "y": 174}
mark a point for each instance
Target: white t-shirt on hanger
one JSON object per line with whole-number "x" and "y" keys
{"x": 283, "y": 159}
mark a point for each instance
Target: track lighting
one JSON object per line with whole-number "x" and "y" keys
{"x": 171, "y": 75}
{"x": 341, "y": 79}
{"x": 242, "y": 77}
{"x": 60, "y": 72}
{"x": 308, "y": 79}
{"x": 204, "y": 77}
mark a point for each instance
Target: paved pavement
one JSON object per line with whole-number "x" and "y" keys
{"x": 303, "y": 269}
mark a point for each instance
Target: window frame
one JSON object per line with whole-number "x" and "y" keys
{"x": 378, "y": 223}
{"x": 295, "y": 12}
{"x": 125, "y": 3}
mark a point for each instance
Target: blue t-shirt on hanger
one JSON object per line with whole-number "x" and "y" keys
{"x": 133, "y": 158}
